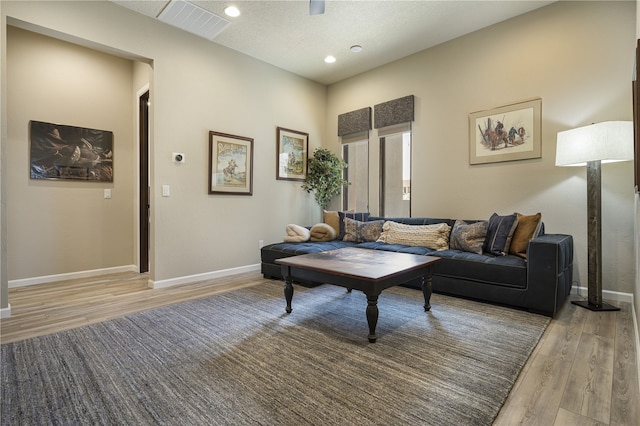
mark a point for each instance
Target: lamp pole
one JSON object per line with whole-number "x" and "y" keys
{"x": 594, "y": 241}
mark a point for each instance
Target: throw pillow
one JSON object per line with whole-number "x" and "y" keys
{"x": 296, "y": 234}
{"x": 528, "y": 228}
{"x": 469, "y": 236}
{"x": 499, "y": 234}
{"x": 435, "y": 237}
{"x": 332, "y": 219}
{"x": 360, "y": 232}
{"x": 361, "y": 216}
{"x": 323, "y": 232}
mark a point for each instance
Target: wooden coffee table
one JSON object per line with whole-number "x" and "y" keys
{"x": 370, "y": 271}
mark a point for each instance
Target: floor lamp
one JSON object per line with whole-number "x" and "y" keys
{"x": 592, "y": 145}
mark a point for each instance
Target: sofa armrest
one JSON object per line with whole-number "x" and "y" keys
{"x": 550, "y": 271}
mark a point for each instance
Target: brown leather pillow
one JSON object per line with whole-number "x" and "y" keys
{"x": 528, "y": 228}
{"x": 332, "y": 219}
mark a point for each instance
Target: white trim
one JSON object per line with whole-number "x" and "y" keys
{"x": 71, "y": 275}
{"x": 615, "y": 296}
{"x": 5, "y": 312}
{"x": 202, "y": 277}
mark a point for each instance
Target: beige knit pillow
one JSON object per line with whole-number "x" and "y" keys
{"x": 435, "y": 237}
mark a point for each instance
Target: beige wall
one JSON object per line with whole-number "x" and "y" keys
{"x": 60, "y": 226}
{"x": 577, "y": 57}
{"x": 196, "y": 86}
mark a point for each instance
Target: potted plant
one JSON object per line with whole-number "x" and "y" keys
{"x": 324, "y": 176}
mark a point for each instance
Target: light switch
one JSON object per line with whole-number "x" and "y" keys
{"x": 165, "y": 191}
{"x": 107, "y": 193}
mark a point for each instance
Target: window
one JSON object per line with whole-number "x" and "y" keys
{"x": 395, "y": 172}
{"x": 356, "y": 155}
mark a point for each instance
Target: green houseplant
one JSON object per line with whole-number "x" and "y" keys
{"x": 324, "y": 176}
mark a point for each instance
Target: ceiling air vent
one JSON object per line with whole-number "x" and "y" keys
{"x": 193, "y": 19}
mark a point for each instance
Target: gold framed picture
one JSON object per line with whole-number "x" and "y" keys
{"x": 291, "y": 154}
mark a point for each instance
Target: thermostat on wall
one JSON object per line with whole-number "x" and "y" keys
{"x": 177, "y": 157}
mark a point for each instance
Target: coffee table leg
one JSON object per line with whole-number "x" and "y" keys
{"x": 372, "y": 316}
{"x": 426, "y": 290}
{"x": 288, "y": 290}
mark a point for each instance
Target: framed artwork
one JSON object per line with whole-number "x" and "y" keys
{"x": 291, "y": 154}
{"x": 507, "y": 133}
{"x": 68, "y": 152}
{"x": 230, "y": 164}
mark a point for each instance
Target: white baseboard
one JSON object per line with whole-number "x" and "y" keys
{"x": 202, "y": 277}
{"x": 614, "y": 296}
{"x": 71, "y": 275}
{"x": 5, "y": 312}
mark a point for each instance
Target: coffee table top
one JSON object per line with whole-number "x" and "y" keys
{"x": 359, "y": 263}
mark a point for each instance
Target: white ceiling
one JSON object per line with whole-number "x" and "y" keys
{"x": 283, "y": 33}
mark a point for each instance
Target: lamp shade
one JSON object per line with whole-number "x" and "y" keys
{"x": 607, "y": 142}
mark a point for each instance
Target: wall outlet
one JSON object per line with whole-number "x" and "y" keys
{"x": 260, "y": 243}
{"x": 107, "y": 193}
{"x": 166, "y": 191}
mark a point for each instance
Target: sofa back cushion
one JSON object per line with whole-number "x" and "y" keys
{"x": 361, "y": 232}
{"x": 434, "y": 236}
{"x": 332, "y": 218}
{"x": 528, "y": 227}
{"x": 469, "y": 236}
{"x": 361, "y": 216}
{"x": 415, "y": 220}
{"x": 499, "y": 234}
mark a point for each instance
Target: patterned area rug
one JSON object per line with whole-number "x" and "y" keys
{"x": 238, "y": 359}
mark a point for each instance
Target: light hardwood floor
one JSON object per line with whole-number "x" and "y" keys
{"x": 583, "y": 371}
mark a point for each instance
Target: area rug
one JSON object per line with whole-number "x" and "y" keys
{"x": 238, "y": 359}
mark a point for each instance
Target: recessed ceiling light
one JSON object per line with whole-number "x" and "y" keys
{"x": 329, "y": 59}
{"x": 356, "y": 48}
{"x": 232, "y": 11}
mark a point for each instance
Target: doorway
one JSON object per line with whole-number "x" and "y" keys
{"x": 144, "y": 201}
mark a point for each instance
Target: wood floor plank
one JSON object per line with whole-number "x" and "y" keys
{"x": 625, "y": 399}
{"x": 537, "y": 399}
{"x": 568, "y": 418}
{"x": 591, "y": 379}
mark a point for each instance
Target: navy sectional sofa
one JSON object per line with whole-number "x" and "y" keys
{"x": 540, "y": 283}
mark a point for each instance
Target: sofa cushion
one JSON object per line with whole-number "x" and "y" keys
{"x": 507, "y": 271}
{"x": 332, "y": 218}
{"x": 499, "y": 234}
{"x": 469, "y": 236}
{"x": 415, "y": 220}
{"x": 360, "y": 232}
{"x": 323, "y": 232}
{"x": 528, "y": 228}
{"x": 271, "y": 252}
{"x": 296, "y": 233}
{"x": 398, "y": 248}
{"x": 435, "y": 236}
{"x": 361, "y": 216}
